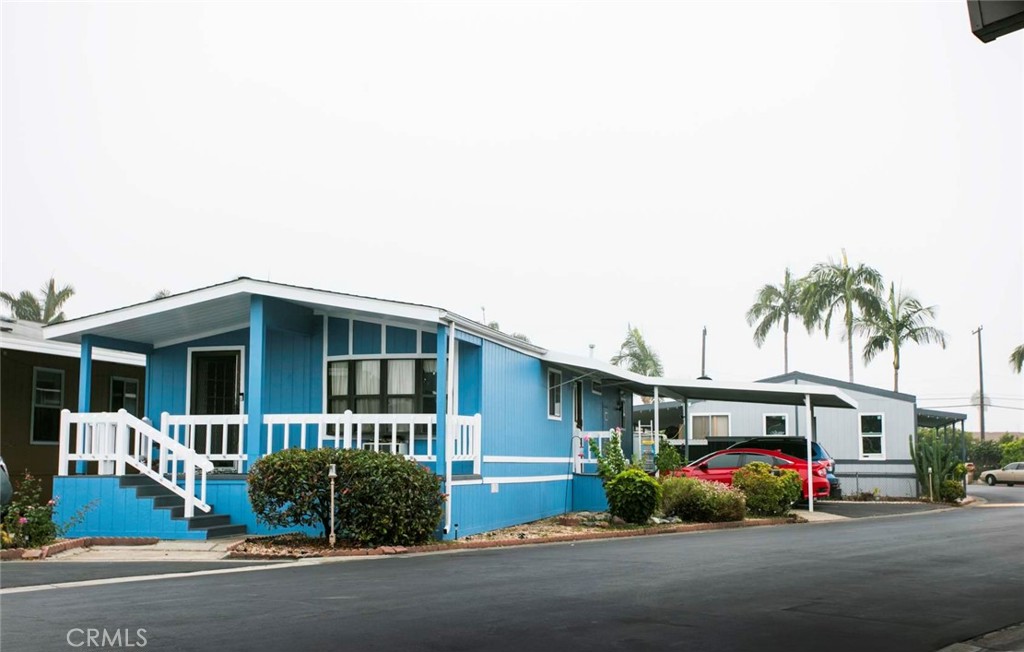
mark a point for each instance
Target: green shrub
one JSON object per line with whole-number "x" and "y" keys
{"x": 28, "y": 521}
{"x": 951, "y": 491}
{"x": 387, "y": 499}
{"x": 692, "y": 499}
{"x": 1013, "y": 451}
{"x": 633, "y": 496}
{"x": 985, "y": 454}
{"x": 667, "y": 458}
{"x": 380, "y": 499}
{"x": 769, "y": 492}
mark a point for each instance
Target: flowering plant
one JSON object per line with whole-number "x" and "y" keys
{"x": 611, "y": 461}
{"x": 28, "y": 522}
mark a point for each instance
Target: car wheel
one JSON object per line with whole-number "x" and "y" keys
{"x": 990, "y": 480}
{"x": 1009, "y": 484}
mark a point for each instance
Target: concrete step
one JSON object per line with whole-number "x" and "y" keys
{"x": 224, "y": 531}
{"x": 207, "y": 521}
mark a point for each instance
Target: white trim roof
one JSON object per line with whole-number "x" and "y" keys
{"x": 225, "y": 307}
{"x": 28, "y": 336}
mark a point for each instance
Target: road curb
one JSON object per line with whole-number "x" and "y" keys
{"x": 234, "y": 553}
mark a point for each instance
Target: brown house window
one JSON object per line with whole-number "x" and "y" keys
{"x": 47, "y": 402}
{"x": 124, "y": 393}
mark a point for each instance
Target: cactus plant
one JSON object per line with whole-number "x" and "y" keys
{"x": 936, "y": 458}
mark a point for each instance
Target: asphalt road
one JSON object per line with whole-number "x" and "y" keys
{"x": 918, "y": 582}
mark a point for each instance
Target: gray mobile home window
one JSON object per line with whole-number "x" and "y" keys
{"x": 872, "y": 435}
{"x": 555, "y": 395}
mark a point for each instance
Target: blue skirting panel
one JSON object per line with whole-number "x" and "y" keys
{"x": 232, "y": 497}
{"x": 588, "y": 494}
{"x": 112, "y": 511}
{"x": 475, "y": 508}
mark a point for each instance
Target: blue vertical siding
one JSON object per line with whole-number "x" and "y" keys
{"x": 588, "y": 494}
{"x": 470, "y": 378}
{"x": 400, "y": 340}
{"x": 168, "y": 371}
{"x": 337, "y": 336}
{"x": 365, "y": 338}
{"x": 515, "y": 413}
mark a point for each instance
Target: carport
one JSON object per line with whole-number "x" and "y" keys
{"x": 683, "y": 390}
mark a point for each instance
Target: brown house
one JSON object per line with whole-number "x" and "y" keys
{"x": 38, "y": 379}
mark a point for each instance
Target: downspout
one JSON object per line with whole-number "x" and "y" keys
{"x": 449, "y": 384}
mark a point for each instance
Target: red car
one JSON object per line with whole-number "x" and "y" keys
{"x": 720, "y": 465}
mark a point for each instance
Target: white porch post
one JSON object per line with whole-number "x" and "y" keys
{"x": 810, "y": 431}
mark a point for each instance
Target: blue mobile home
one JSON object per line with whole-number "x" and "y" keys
{"x": 244, "y": 368}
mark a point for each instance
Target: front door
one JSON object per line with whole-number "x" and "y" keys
{"x": 216, "y": 389}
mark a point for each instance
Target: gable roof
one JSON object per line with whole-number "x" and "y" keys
{"x": 833, "y": 382}
{"x": 224, "y": 307}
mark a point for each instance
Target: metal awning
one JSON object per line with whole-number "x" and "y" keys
{"x": 683, "y": 389}
{"x": 937, "y": 418}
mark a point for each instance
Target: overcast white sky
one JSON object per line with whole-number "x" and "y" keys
{"x": 572, "y": 167}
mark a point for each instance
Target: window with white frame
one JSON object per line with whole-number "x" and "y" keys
{"x": 392, "y": 386}
{"x": 872, "y": 435}
{"x": 124, "y": 393}
{"x": 709, "y": 425}
{"x": 596, "y": 386}
{"x": 47, "y": 402}
{"x": 775, "y": 424}
{"x": 554, "y": 394}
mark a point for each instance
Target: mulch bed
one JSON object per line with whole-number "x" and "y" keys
{"x": 300, "y": 546}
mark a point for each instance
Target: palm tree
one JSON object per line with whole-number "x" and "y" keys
{"x": 831, "y": 287}
{"x": 901, "y": 320}
{"x": 48, "y": 311}
{"x": 773, "y": 305}
{"x": 1017, "y": 358}
{"x": 637, "y": 357}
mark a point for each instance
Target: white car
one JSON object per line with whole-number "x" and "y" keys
{"x": 1009, "y": 474}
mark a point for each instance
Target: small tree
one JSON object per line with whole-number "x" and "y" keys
{"x": 668, "y": 458}
{"x": 611, "y": 461}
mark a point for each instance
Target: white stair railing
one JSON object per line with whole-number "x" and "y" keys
{"x": 118, "y": 440}
{"x": 582, "y": 453}
{"x": 217, "y": 437}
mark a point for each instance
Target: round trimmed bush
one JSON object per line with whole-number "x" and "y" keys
{"x": 951, "y": 491}
{"x": 633, "y": 496}
{"x": 702, "y": 501}
{"x": 380, "y": 499}
{"x": 769, "y": 491}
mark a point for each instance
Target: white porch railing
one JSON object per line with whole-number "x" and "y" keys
{"x": 390, "y": 433}
{"x": 581, "y": 450}
{"x": 216, "y": 437}
{"x": 118, "y": 440}
{"x": 465, "y": 440}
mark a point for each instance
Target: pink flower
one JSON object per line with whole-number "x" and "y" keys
{"x": 51, "y": 502}
{"x": 586, "y": 437}
{"x": 22, "y": 521}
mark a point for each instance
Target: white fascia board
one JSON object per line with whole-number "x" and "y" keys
{"x": 72, "y": 329}
{"x": 72, "y": 351}
{"x": 476, "y": 328}
{"x": 680, "y": 386}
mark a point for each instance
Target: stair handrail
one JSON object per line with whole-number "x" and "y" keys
{"x": 171, "y": 450}
{"x": 118, "y": 454}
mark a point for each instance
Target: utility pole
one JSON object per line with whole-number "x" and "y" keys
{"x": 981, "y": 386}
{"x": 703, "y": 353}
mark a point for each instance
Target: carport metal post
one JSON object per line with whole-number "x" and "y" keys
{"x": 657, "y": 423}
{"x": 810, "y": 469}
